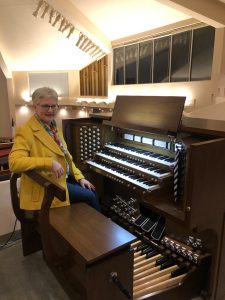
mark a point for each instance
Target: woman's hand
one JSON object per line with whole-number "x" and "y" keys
{"x": 57, "y": 169}
{"x": 86, "y": 184}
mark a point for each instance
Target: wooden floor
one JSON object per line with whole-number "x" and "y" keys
{"x": 28, "y": 278}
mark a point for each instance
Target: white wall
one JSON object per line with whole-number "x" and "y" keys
{"x": 5, "y": 127}
{"x": 7, "y": 217}
{"x": 23, "y": 113}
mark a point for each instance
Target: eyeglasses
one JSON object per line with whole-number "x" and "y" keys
{"x": 47, "y": 107}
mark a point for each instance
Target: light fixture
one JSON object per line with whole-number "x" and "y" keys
{"x": 58, "y": 16}
{"x": 84, "y": 43}
{"x": 93, "y": 50}
{"x": 81, "y": 36}
{"x": 45, "y": 10}
{"x": 62, "y": 24}
{"x": 24, "y": 109}
{"x": 35, "y": 13}
{"x": 72, "y": 28}
{"x": 100, "y": 56}
{"x": 67, "y": 25}
{"x": 96, "y": 53}
{"x": 90, "y": 47}
{"x": 51, "y": 14}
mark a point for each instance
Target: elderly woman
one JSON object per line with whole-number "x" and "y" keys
{"x": 40, "y": 145}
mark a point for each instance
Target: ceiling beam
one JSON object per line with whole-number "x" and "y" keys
{"x": 211, "y": 12}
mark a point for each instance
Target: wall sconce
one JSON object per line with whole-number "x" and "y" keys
{"x": 25, "y": 96}
{"x": 24, "y": 109}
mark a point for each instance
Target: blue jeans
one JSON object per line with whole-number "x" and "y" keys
{"x": 79, "y": 194}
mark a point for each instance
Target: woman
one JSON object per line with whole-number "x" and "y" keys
{"x": 40, "y": 145}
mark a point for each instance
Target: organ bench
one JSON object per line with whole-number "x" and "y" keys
{"x": 88, "y": 253}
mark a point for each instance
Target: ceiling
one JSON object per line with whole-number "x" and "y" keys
{"x": 31, "y": 44}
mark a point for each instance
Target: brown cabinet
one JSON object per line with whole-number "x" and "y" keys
{"x": 94, "y": 78}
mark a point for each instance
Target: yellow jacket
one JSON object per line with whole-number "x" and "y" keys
{"x": 35, "y": 149}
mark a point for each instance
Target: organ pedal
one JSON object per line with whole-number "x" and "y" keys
{"x": 166, "y": 268}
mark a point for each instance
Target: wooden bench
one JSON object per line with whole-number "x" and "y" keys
{"x": 88, "y": 253}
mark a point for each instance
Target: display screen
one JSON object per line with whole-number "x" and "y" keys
{"x": 147, "y": 141}
{"x": 159, "y": 143}
{"x": 137, "y": 138}
{"x": 129, "y": 137}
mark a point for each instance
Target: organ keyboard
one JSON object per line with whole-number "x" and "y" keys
{"x": 163, "y": 185}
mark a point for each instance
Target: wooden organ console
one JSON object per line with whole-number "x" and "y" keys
{"x": 165, "y": 186}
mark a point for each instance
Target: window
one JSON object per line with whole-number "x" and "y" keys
{"x": 161, "y": 59}
{"x": 202, "y": 53}
{"x": 145, "y": 62}
{"x": 176, "y": 57}
{"x": 131, "y": 64}
{"x": 118, "y": 56}
{"x": 180, "y": 57}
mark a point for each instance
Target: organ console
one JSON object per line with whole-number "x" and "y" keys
{"x": 164, "y": 184}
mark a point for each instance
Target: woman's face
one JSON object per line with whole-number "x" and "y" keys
{"x": 47, "y": 109}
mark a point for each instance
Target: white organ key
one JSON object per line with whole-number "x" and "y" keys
{"x": 122, "y": 176}
{"x": 123, "y": 162}
{"x": 139, "y": 155}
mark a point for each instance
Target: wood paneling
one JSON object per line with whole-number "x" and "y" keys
{"x": 94, "y": 78}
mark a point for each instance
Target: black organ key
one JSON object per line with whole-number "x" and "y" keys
{"x": 179, "y": 271}
{"x": 159, "y": 171}
{"x": 149, "y": 183}
{"x": 156, "y": 155}
{"x": 167, "y": 264}
{"x": 141, "y": 247}
{"x": 162, "y": 260}
{"x": 169, "y": 159}
{"x": 146, "y": 250}
{"x": 151, "y": 253}
{"x": 133, "y": 176}
{"x": 142, "y": 180}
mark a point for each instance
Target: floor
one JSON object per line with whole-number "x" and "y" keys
{"x": 28, "y": 278}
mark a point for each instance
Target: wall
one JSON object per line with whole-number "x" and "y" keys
{"x": 23, "y": 113}
{"x": 21, "y": 93}
{"x": 7, "y": 217}
{"x": 6, "y": 100}
{"x": 5, "y": 128}
{"x": 21, "y": 87}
